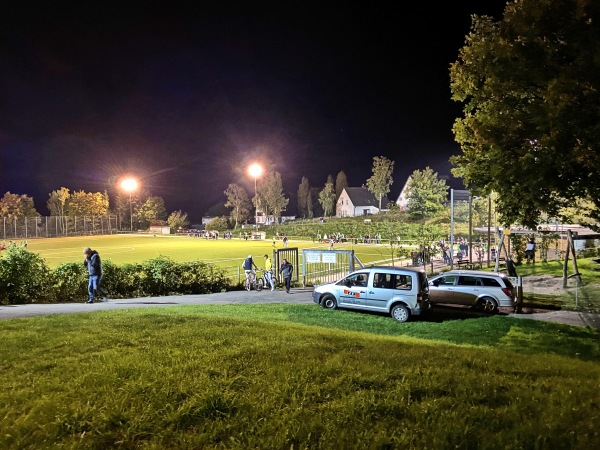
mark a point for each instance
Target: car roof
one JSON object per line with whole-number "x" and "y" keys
{"x": 473, "y": 272}
{"x": 392, "y": 268}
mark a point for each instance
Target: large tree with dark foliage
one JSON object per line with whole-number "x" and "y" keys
{"x": 530, "y": 88}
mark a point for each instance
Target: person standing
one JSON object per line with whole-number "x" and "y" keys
{"x": 286, "y": 271}
{"x": 94, "y": 266}
{"x": 530, "y": 250}
{"x": 269, "y": 272}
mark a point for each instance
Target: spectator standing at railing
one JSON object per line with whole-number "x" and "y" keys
{"x": 269, "y": 272}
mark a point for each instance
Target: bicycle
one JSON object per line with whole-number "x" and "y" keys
{"x": 250, "y": 281}
{"x": 262, "y": 282}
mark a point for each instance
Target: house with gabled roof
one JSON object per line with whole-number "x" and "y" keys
{"x": 358, "y": 201}
{"x": 402, "y": 200}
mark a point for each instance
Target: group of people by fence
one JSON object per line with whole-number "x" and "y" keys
{"x": 286, "y": 270}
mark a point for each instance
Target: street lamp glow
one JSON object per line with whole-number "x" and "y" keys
{"x": 256, "y": 171}
{"x": 130, "y": 184}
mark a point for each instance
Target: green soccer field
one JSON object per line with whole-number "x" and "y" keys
{"x": 122, "y": 249}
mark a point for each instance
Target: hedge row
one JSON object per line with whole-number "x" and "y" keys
{"x": 25, "y": 278}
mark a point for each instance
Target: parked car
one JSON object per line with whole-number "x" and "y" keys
{"x": 402, "y": 293}
{"x": 488, "y": 290}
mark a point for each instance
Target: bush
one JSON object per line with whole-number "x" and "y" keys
{"x": 69, "y": 282}
{"x": 24, "y": 278}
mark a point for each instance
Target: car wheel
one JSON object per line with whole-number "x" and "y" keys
{"x": 329, "y": 302}
{"x": 400, "y": 313}
{"x": 489, "y": 305}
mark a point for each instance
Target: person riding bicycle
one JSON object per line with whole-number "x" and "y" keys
{"x": 269, "y": 272}
{"x": 249, "y": 266}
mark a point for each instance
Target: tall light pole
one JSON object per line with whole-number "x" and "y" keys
{"x": 255, "y": 170}
{"x": 129, "y": 184}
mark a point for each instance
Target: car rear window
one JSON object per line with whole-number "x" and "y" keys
{"x": 507, "y": 282}
{"x": 490, "y": 282}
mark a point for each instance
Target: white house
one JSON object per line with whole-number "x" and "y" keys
{"x": 358, "y": 201}
{"x": 402, "y": 201}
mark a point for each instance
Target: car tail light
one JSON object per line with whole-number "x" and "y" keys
{"x": 508, "y": 292}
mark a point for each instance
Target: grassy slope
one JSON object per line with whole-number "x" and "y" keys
{"x": 270, "y": 376}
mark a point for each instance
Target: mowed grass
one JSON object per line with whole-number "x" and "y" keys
{"x": 271, "y": 376}
{"x": 122, "y": 249}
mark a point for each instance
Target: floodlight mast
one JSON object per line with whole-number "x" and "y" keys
{"x": 130, "y": 184}
{"x": 255, "y": 170}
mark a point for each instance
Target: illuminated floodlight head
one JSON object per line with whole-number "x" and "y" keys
{"x": 129, "y": 184}
{"x": 255, "y": 170}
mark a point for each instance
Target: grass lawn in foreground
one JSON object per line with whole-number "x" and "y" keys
{"x": 121, "y": 249}
{"x": 295, "y": 376}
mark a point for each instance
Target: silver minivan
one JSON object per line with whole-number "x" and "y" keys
{"x": 400, "y": 292}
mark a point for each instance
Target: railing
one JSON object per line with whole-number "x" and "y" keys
{"x": 53, "y": 226}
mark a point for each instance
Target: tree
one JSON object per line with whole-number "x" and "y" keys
{"x": 270, "y": 195}
{"x": 178, "y": 219}
{"x": 15, "y": 206}
{"x": 530, "y": 89}
{"x": 239, "y": 202}
{"x": 426, "y": 193}
{"x": 304, "y": 198}
{"x": 82, "y": 203}
{"x": 57, "y": 201}
{"x": 327, "y": 198}
{"x": 217, "y": 224}
{"x": 56, "y": 204}
{"x": 341, "y": 182}
{"x": 151, "y": 210}
{"x": 381, "y": 180}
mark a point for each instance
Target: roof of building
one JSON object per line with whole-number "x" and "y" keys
{"x": 361, "y": 196}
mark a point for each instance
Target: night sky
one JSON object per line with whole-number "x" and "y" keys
{"x": 184, "y": 96}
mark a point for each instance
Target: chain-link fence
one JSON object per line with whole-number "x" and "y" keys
{"x": 53, "y": 226}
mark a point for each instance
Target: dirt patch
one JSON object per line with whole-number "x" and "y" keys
{"x": 546, "y": 284}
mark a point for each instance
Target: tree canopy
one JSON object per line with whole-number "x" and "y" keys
{"x": 304, "y": 198}
{"x": 238, "y": 201}
{"x": 426, "y": 193}
{"x": 341, "y": 182}
{"x": 381, "y": 180}
{"x": 153, "y": 209}
{"x": 271, "y": 198}
{"x": 327, "y": 198}
{"x": 530, "y": 88}
{"x": 14, "y": 206}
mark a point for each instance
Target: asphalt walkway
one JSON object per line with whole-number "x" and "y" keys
{"x": 298, "y": 295}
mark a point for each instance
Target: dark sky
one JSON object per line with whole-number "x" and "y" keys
{"x": 185, "y": 95}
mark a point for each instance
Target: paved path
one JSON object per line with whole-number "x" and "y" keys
{"x": 40, "y": 309}
{"x": 302, "y": 296}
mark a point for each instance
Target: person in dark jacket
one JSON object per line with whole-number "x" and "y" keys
{"x": 286, "y": 271}
{"x": 94, "y": 266}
